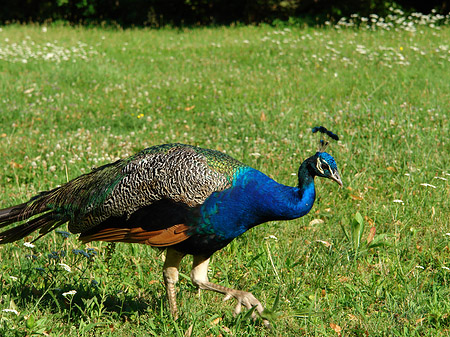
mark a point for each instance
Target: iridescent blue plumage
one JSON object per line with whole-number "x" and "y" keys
{"x": 252, "y": 199}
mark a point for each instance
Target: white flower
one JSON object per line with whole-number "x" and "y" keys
{"x": 446, "y": 268}
{"x": 65, "y": 266}
{"x": 398, "y": 201}
{"x": 72, "y": 292}
{"x": 420, "y": 267}
{"x": 13, "y": 278}
{"x": 271, "y": 237}
{"x": 28, "y": 244}
{"x": 11, "y": 310}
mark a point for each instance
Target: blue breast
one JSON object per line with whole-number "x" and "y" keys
{"x": 253, "y": 198}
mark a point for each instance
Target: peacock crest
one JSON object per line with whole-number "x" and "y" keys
{"x": 323, "y": 143}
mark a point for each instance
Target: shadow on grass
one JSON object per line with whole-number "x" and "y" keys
{"x": 76, "y": 301}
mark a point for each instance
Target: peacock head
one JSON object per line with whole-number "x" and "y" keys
{"x": 324, "y": 165}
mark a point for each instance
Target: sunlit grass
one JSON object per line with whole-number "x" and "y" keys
{"x": 85, "y": 97}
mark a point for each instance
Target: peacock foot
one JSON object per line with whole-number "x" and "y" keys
{"x": 199, "y": 277}
{"x": 249, "y": 301}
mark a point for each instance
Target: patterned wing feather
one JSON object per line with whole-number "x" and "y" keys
{"x": 180, "y": 173}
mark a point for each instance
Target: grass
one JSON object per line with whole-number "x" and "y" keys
{"x": 74, "y": 98}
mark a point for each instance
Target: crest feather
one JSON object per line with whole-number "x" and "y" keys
{"x": 323, "y": 143}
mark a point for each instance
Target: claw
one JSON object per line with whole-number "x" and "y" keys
{"x": 227, "y": 297}
{"x": 237, "y": 309}
{"x": 247, "y": 300}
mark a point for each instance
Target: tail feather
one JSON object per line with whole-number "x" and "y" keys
{"x": 71, "y": 201}
{"x": 46, "y": 221}
{"x": 12, "y": 214}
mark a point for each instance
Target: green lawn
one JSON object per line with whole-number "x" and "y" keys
{"x": 76, "y": 98}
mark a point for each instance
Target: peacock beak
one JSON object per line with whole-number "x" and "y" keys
{"x": 335, "y": 176}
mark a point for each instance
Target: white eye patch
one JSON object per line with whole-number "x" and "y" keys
{"x": 319, "y": 166}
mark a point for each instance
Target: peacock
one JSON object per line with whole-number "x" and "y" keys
{"x": 182, "y": 198}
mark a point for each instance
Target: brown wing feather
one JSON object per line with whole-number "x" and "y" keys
{"x": 158, "y": 238}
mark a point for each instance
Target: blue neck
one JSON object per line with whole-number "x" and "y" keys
{"x": 253, "y": 199}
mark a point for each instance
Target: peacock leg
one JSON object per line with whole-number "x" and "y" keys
{"x": 199, "y": 276}
{"x": 170, "y": 273}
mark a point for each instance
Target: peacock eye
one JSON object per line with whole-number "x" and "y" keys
{"x": 324, "y": 167}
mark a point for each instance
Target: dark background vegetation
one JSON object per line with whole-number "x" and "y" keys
{"x": 158, "y": 13}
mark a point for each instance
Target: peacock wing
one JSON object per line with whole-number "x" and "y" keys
{"x": 158, "y": 191}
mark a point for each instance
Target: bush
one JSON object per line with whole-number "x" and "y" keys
{"x": 158, "y": 13}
